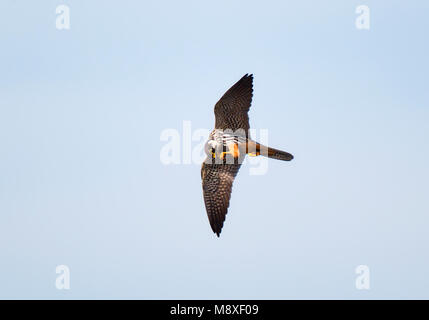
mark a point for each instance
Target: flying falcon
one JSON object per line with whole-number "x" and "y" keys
{"x": 226, "y": 149}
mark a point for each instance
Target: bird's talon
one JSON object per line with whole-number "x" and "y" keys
{"x": 223, "y": 154}
{"x": 253, "y": 154}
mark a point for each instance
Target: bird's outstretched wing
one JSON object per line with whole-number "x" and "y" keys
{"x": 217, "y": 186}
{"x": 231, "y": 110}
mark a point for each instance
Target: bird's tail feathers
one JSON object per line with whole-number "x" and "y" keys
{"x": 256, "y": 149}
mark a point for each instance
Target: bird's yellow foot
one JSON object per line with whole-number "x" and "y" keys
{"x": 233, "y": 150}
{"x": 223, "y": 154}
{"x": 254, "y": 154}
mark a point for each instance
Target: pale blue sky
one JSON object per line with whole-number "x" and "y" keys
{"x": 81, "y": 183}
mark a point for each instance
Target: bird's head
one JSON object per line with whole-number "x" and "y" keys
{"x": 211, "y": 148}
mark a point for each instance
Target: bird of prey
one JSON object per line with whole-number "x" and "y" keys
{"x": 226, "y": 149}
